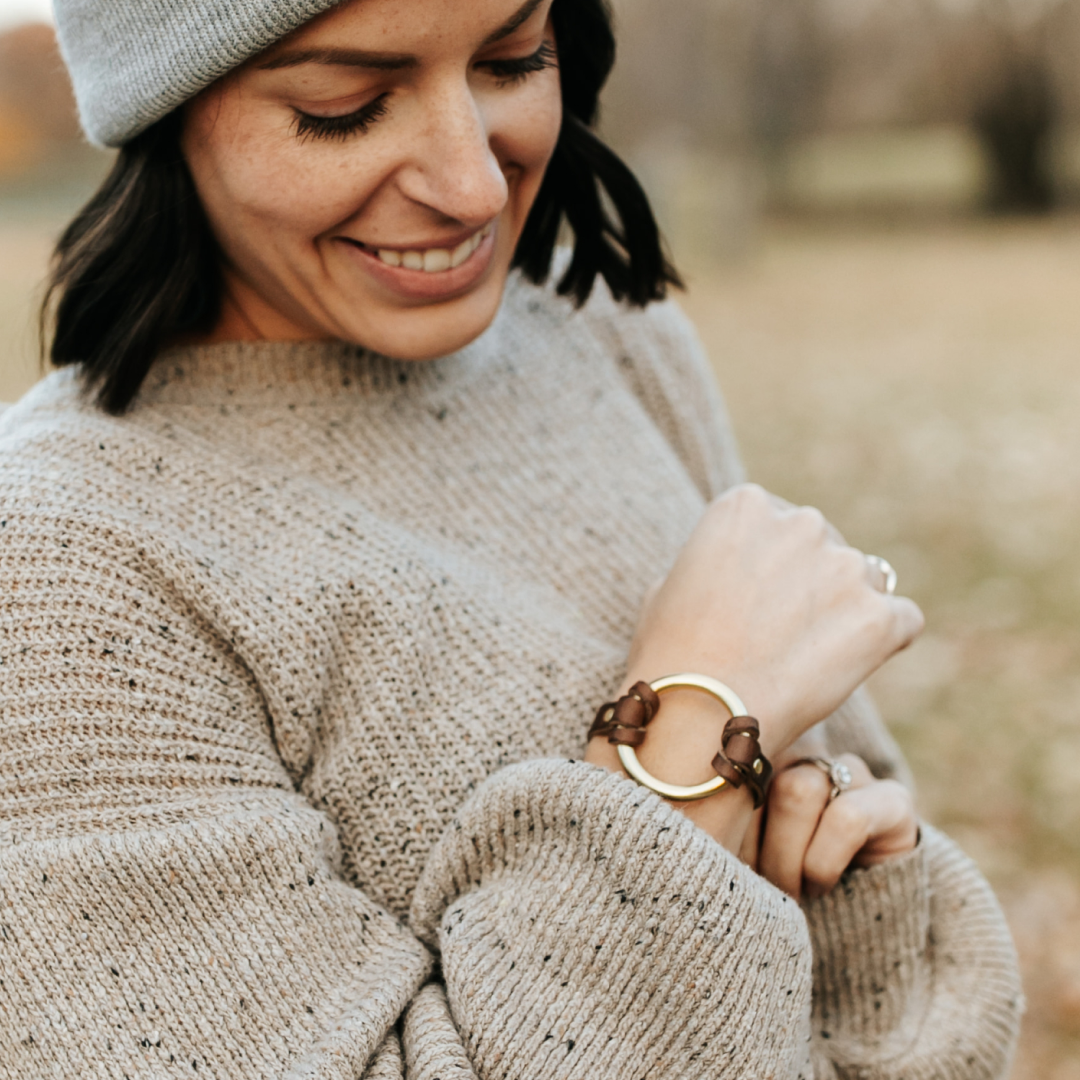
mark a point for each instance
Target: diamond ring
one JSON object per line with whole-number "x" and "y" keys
{"x": 838, "y": 773}
{"x": 887, "y": 569}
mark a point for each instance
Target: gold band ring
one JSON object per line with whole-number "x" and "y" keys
{"x": 725, "y": 695}
{"x": 887, "y": 569}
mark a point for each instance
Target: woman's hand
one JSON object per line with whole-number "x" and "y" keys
{"x": 810, "y": 840}
{"x": 768, "y": 598}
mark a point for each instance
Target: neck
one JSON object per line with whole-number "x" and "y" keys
{"x": 246, "y": 316}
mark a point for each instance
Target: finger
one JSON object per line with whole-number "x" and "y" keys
{"x": 749, "y": 851}
{"x": 782, "y": 504}
{"x": 849, "y": 824}
{"x": 908, "y": 620}
{"x": 861, "y": 776}
{"x": 898, "y": 839}
{"x": 797, "y": 798}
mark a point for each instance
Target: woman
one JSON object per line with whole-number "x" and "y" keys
{"x": 300, "y": 643}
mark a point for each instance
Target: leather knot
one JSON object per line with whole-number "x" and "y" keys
{"x": 624, "y": 721}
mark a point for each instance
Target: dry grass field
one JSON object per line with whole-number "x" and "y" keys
{"x": 922, "y": 386}
{"x": 24, "y": 252}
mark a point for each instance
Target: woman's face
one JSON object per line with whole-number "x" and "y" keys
{"x": 368, "y": 177}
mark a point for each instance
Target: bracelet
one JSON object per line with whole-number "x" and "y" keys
{"x": 739, "y": 761}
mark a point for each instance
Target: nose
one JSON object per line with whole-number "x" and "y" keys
{"x": 452, "y": 168}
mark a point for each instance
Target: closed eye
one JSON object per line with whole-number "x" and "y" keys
{"x": 517, "y": 69}
{"x": 310, "y": 126}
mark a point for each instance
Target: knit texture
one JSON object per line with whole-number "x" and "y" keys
{"x": 134, "y": 61}
{"x": 295, "y": 661}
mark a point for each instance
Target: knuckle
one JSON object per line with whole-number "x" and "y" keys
{"x": 748, "y": 497}
{"x": 850, "y": 817}
{"x": 916, "y": 617}
{"x": 811, "y": 520}
{"x": 897, "y": 794}
{"x": 852, "y": 562}
{"x": 878, "y": 621}
{"x": 800, "y": 787}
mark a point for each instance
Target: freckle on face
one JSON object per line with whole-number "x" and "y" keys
{"x": 456, "y": 157}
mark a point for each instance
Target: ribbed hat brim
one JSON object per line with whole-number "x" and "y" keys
{"x": 133, "y": 61}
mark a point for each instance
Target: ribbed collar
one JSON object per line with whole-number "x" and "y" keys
{"x": 270, "y": 373}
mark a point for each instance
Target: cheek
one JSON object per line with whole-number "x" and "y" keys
{"x": 270, "y": 186}
{"x": 524, "y": 136}
{"x": 260, "y": 184}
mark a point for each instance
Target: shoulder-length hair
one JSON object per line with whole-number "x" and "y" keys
{"x": 139, "y": 267}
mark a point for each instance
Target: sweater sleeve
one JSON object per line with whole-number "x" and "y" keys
{"x": 587, "y": 929}
{"x": 169, "y": 906}
{"x": 914, "y": 973}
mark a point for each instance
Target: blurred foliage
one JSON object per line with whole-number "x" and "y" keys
{"x": 759, "y": 94}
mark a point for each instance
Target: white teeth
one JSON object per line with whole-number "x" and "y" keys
{"x": 462, "y": 252}
{"x": 434, "y": 260}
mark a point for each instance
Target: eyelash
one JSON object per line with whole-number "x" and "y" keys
{"x": 515, "y": 71}
{"x": 508, "y": 72}
{"x": 341, "y": 127}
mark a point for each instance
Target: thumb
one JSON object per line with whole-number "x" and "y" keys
{"x": 908, "y": 621}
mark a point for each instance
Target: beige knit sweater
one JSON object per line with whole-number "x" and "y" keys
{"x": 294, "y": 663}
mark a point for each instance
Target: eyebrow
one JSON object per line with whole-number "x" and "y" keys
{"x": 381, "y": 61}
{"x": 519, "y": 18}
{"x": 340, "y": 57}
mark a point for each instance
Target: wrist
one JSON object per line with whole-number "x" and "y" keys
{"x": 687, "y": 746}
{"x": 757, "y": 695}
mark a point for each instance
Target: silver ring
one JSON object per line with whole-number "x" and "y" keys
{"x": 887, "y": 569}
{"x": 838, "y": 773}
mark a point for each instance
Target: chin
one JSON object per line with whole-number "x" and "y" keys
{"x": 427, "y": 332}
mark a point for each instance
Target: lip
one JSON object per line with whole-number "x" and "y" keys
{"x": 420, "y": 285}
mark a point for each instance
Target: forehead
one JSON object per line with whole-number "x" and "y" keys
{"x": 407, "y": 27}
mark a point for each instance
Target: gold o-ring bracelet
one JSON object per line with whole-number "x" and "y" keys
{"x": 627, "y": 755}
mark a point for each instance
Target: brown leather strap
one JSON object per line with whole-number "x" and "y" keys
{"x": 723, "y": 767}
{"x": 742, "y": 757}
{"x": 739, "y": 762}
{"x": 624, "y": 721}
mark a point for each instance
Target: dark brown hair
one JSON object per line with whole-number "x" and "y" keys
{"x": 138, "y": 267}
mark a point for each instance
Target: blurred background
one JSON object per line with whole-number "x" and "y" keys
{"x": 876, "y": 204}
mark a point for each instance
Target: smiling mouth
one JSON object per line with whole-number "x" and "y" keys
{"x": 431, "y": 260}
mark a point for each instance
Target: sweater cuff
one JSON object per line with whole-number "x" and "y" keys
{"x": 588, "y": 929}
{"x": 869, "y": 939}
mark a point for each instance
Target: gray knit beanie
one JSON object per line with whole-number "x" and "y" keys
{"x": 134, "y": 61}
